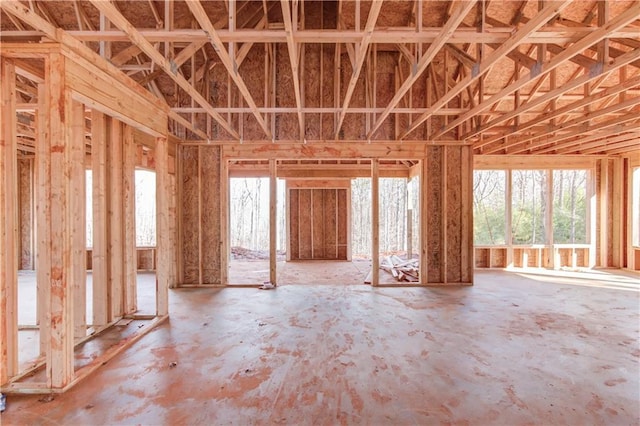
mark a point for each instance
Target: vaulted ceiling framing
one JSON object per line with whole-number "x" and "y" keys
{"x": 508, "y": 77}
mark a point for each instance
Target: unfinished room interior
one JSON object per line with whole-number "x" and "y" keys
{"x": 320, "y": 212}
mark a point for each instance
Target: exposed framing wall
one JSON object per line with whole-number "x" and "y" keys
{"x": 59, "y": 165}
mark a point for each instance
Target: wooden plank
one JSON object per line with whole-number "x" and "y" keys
{"x": 375, "y": 223}
{"x": 115, "y": 234}
{"x": 77, "y": 204}
{"x": 99, "y": 252}
{"x": 8, "y": 224}
{"x": 129, "y": 211}
{"x": 162, "y": 227}
{"x": 59, "y": 355}
{"x": 273, "y": 235}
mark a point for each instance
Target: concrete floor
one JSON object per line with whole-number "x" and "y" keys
{"x": 516, "y": 348}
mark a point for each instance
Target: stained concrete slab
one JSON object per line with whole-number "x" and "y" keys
{"x": 516, "y": 348}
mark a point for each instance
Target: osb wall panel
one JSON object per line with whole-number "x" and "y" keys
{"x": 210, "y": 228}
{"x": 318, "y": 223}
{"x": 435, "y": 223}
{"x": 189, "y": 210}
{"x": 313, "y": 95}
{"x": 447, "y": 229}
{"x": 454, "y": 214}
{"x": 328, "y": 60}
{"x": 25, "y": 216}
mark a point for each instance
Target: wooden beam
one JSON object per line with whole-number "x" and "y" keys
{"x": 621, "y": 20}
{"x": 121, "y": 22}
{"x": 203, "y": 19}
{"x": 294, "y": 60}
{"x": 361, "y": 55}
{"x": 541, "y": 18}
{"x": 8, "y": 224}
{"x": 390, "y": 35}
{"x": 334, "y": 150}
{"x": 453, "y": 22}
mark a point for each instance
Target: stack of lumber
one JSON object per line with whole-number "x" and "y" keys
{"x": 402, "y": 270}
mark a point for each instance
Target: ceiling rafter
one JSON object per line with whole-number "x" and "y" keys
{"x": 453, "y": 22}
{"x": 230, "y": 64}
{"x": 629, "y": 103}
{"x": 567, "y": 87}
{"x": 550, "y": 10}
{"x": 582, "y": 132}
{"x": 604, "y": 145}
{"x": 621, "y": 20}
{"x": 360, "y": 57}
{"x": 121, "y": 22}
{"x": 564, "y": 111}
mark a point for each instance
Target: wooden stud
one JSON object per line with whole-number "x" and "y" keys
{"x": 162, "y": 227}
{"x": 225, "y": 249}
{"x": 273, "y": 235}
{"x": 115, "y": 233}
{"x": 8, "y": 224}
{"x": 423, "y": 204}
{"x": 617, "y": 213}
{"x": 129, "y": 216}
{"x": 59, "y": 355}
{"x": 78, "y": 217}
{"x": 375, "y": 222}
{"x": 99, "y": 252}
